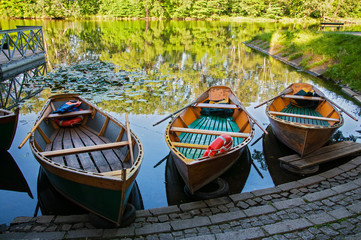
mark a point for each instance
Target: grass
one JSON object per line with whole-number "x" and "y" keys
{"x": 340, "y": 53}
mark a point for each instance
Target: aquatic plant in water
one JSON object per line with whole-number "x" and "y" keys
{"x": 99, "y": 81}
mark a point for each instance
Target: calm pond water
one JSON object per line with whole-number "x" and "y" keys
{"x": 168, "y": 64}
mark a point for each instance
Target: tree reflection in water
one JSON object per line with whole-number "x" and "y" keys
{"x": 161, "y": 67}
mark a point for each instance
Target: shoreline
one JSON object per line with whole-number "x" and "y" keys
{"x": 316, "y": 72}
{"x": 322, "y": 206}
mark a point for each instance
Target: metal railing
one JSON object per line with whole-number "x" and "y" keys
{"x": 23, "y": 86}
{"x": 19, "y": 43}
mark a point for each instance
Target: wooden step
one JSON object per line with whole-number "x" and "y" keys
{"x": 322, "y": 155}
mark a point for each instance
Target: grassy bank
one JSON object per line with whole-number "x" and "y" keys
{"x": 338, "y": 53}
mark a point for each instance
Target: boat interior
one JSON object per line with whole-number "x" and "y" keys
{"x": 309, "y": 110}
{"x": 96, "y": 145}
{"x": 196, "y": 127}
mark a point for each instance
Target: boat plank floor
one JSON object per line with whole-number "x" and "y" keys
{"x": 71, "y": 160}
{"x": 112, "y": 158}
{"x": 84, "y": 158}
{"x": 213, "y": 123}
{"x": 98, "y": 157}
{"x": 302, "y": 111}
{"x": 57, "y": 145}
{"x": 96, "y": 161}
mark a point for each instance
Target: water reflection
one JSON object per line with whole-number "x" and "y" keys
{"x": 51, "y": 202}
{"x": 274, "y": 149}
{"x": 236, "y": 178}
{"x": 11, "y": 177}
{"x": 21, "y": 86}
{"x": 166, "y": 65}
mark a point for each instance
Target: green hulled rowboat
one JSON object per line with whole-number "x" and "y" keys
{"x": 95, "y": 163}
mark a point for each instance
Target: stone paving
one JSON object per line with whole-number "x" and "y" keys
{"x": 324, "y": 206}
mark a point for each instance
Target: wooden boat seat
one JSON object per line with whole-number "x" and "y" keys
{"x": 70, "y": 151}
{"x": 193, "y": 142}
{"x": 210, "y": 105}
{"x": 81, "y": 148}
{"x": 303, "y": 97}
{"x": 209, "y": 132}
{"x": 70, "y": 114}
{"x": 189, "y": 145}
{"x": 303, "y": 115}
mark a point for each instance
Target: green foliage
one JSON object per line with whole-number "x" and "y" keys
{"x": 200, "y": 9}
{"x": 339, "y": 52}
{"x": 295, "y": 56}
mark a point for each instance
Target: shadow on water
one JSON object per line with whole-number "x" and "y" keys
{"x": 236, "y": 178}
{"x": 11, "y": 177}
{"x": 274, "y": 149}
{"x": 51, "y": 202}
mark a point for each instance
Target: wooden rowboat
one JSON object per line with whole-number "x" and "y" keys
{"x": 303, "y": 123}
{"x": 193, "y": 129}
{"x": 8, "y": 124}
{"x": 90, "y": 164}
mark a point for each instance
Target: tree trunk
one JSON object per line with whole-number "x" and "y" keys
{"x": 147, "y": 12}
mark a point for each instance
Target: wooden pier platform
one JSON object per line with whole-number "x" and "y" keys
{"x": 322, "y": 155}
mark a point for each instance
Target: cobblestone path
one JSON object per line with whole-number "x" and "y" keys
{"x": 324, "y": 206}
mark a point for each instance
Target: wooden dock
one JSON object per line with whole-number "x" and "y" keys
{"x": 322, "y": 155}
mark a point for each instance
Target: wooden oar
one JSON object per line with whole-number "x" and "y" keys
{"x": 257, "y": 140}
{"x": 122, "y": 207}
{"x": 235, "y": 101}
{"x": 170, "y": 115}
{"x": 163, "y": 159}
{"x": 282, "y": 93}
{"x": 258, "y": 171}
{"x": 129, "y": 139}
{"x": 46, "y": 113}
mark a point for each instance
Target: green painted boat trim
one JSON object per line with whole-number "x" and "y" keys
{"x": 302, "y": 111}
{"x": 101, "y": 201}
{"x": 208, "y": 123}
